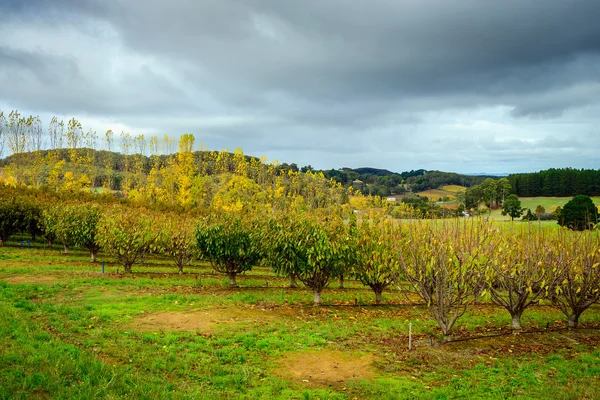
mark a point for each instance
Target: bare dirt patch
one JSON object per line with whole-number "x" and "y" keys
{"x": 174, "y": 321}
{"x": 326, "y": 367}
{"x": 31, "y": 279}
{"x": 465, "y": 354}
{"x": 203, "y": 321}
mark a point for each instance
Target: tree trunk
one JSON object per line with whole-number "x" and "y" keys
{"x": 378, "y": 296}
{"x": 66, "y": 248}
{"x": 127, "y": 268}
{"x": 180, "y": 269}
{"x": 92, "y": 255}
{"x": 49, "y": 243}
{"x": 341, "y": 281}
{"x": 232, "y": 282}
{"x": 516, "y": 321}
{"x": 317, "y": 300}
{"x": 293, "y": 283}
{"x": 573, "y": 320}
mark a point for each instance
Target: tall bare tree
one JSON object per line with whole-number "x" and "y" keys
{"x": 3, "y": 130}
{"x": 16, "y": 133}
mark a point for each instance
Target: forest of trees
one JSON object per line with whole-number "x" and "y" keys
{"x": 373, "y": 181}
{"x": 382, "y": 182}
{"x": 560, "y": 182}
{"x": 435, "y": 179}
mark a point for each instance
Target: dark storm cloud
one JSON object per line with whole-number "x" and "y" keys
{"x": 369, "y": 50}
{"x": 339, "y": 76}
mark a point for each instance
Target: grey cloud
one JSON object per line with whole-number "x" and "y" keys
{"x": 329, "y": 77}
{"x": 17, "y": 65}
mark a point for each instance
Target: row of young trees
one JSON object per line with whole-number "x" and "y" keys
{"x": 450, "y": 264}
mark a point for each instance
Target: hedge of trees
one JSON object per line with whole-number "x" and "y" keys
{"x": 450, "y": 264}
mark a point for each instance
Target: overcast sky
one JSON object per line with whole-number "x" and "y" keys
{"x": 464, "y": 85}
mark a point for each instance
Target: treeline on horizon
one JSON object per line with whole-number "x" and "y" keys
{"x": 25, "y": 138}
{"x": 553, "y": 182}
{"x": 381, "y": 182}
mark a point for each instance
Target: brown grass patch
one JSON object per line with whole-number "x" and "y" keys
{"x": 453, "y": 188}
{"x": 31, "y": 279}
{"x": 175, "y": 321}
{"x": 436, "y": 194}
{"x": 202, "y": 321}
{"x": 326, "y": 367}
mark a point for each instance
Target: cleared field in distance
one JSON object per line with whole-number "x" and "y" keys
{"x": 449, "y": 191}
{"x": 436, "y": 194}
{"x": 549, "y": 204}
{"x": 453, "y": 188}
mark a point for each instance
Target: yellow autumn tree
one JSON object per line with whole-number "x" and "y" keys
{"x": 238, "y": 194}
{"x": 186, "y": 168}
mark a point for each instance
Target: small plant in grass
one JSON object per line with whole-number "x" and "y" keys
{"x": 127, "y": 234}
{"x": 230, "y": 242}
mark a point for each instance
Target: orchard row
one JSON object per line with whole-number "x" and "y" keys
{"x": 450, "y": 264}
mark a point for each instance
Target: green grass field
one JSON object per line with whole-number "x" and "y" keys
{"x": 549, "y": 204}
{"x": 68, "y": 331}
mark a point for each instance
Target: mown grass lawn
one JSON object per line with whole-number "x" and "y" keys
{"x": 67, "y": 331}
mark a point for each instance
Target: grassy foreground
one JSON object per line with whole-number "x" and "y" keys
{"x": 67, "y": 331}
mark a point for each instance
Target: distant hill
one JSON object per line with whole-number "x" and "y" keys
{"x": 383, "y": 182}
{"x": 370, "y": 171}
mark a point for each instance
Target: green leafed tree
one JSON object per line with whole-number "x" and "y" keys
{"x": 313, "y": 251}
{"x": 539, "y": 210}
{"x": 177, "y": 239}
{"x": 58, "y": 222}
{"x": 376, "y": 264}
{"x": 503, "y": 188}
{"x": 127, "y": 234}
{"x": 512, "y": 207}
{"x": 230, "y": 242}
{"x": 13, "y": 216}
{"x": 86, "y": 229}
{"x": 580, "y": 213}
{"x": 73, "y": 225}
